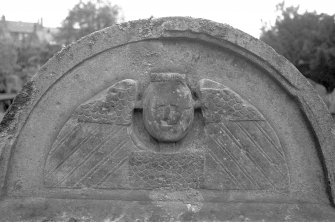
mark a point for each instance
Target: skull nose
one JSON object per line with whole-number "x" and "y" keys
{"x": 166, "y": 113}
{"x": 171, "y": 115}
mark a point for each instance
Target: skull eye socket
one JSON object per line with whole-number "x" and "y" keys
{"x": 159, "y": 111}
{"x": 168, "y": 113}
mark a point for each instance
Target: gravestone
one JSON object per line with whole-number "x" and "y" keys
{"x": 172, "y": 119}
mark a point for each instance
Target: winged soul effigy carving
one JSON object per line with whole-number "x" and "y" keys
{"x": 165, "y": 133}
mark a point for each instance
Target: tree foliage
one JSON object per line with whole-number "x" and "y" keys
{"x": 8, "y": 53}
{"x": 87, "y": 17}
{"x": 307, "y": 40}
{"x": 8, "y": 59}
{"x": 21, "y": 61}
{"x": 32, "y": 57}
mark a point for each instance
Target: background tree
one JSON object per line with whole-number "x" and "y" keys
{"x": 20, "y": 60}
{"x": 87, "y": 17}
{"x": 8, "y": 65}
{"x": 307, "y": 40}
{"x": 8, "y": 55}
{"x": 31, "y": 57}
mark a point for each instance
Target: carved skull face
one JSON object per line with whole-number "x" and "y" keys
{"x": 168, "y": 110}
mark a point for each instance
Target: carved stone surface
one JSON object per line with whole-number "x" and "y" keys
{"x": 116, "y": 108}
{"x": 177, "y": 171}
{"x": 173, "y": 119}
{"x": 240, "y": 150}
{"x": 167, "y": 107}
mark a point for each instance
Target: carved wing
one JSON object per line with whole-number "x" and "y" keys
{"x": 94, "y": 144}
{"x": 240, "y": 143}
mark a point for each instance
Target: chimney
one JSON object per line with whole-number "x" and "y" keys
{"x": 3, "y": 18}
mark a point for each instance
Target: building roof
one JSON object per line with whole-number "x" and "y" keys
{"x": 45, "y": 34}
{"x": 20, "y": 27}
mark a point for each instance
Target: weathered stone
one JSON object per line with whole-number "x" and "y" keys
{"x": 172, "y": 119}
{"x": 167, "y": 107}
{"x": 328, "y": 98}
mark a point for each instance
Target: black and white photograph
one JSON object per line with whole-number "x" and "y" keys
{"x": 167, "y": 111}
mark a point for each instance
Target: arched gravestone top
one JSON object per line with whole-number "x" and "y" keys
{"x": 167, "y": 119}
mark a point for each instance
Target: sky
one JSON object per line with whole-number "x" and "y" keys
{"x": 246, "y": 15}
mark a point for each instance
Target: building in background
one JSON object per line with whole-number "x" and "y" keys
{"x": 26, "y": 33}
{"x": 24, "y": 48}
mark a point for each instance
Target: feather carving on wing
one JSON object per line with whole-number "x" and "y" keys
{"x": 240, "y": 142}
{"x": 115, "y": 108}
{"x": 93, "y": 144}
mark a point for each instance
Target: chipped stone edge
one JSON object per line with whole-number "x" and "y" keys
{"x": 171, "y": 27}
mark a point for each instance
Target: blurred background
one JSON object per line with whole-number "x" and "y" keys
{"x": 32, "y": 31}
